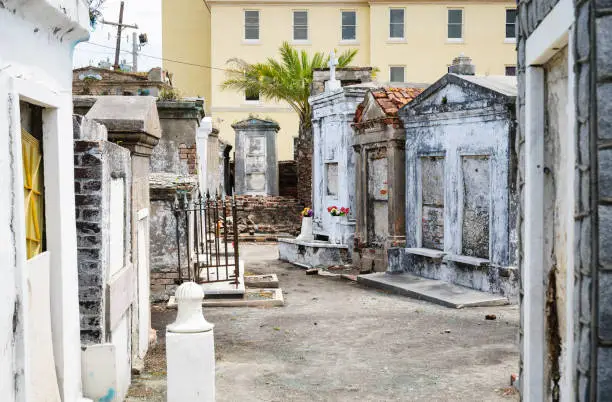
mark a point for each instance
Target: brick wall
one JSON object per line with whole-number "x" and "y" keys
{"x": 96, "y": 163}
{"x": 188, "y": 154}
{"x": 287, "y": 178}
{"x": 88, "y": 197}
{"x": 268, "y": 214}
{"x": 304, "y": 167}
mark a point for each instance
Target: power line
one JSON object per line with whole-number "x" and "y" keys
{"x": 161, "y": 58}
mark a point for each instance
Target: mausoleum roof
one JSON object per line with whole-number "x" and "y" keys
{"x": 390, "y": 100}
{"x": 255, "y": 122}
{"x": 505, "y": 85}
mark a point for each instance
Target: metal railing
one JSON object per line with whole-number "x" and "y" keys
{"x": 205, "y": 229}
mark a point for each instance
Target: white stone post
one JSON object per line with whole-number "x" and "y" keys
{"x": 206, "y": 127}
{"x": 190, "y": 349}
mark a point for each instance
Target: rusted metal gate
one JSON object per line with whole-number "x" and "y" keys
{"x": 207, "y": 238}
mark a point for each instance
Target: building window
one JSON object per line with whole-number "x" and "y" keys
{"x": 455, "y": 24}
{"x": 511, "y": 71}
{"x": 511, "y": 24}
{"x": 396, "y": 23}
{"x": 251, "y": 25}
{"x": 300, "y": 25}
{"x": 396, "y": 74}
{"x": 251, "y": 96}
{"x": 349, "y": 25}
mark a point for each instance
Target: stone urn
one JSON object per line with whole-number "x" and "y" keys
{"x": 306, "y": 232}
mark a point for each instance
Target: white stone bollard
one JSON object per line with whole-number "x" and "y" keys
{"x": 190, "y": 349}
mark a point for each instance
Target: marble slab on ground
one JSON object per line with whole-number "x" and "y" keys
{"x": 431, "y": 290}
{"x": 261, "y": 281}
{"x": 222, "y": 288}
{"x": 252, "y": 298}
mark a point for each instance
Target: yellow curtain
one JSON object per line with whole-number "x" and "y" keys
{"x": 33, "y": 193}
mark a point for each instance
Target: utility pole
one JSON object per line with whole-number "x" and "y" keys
{"x": 120, "y": 25}
{"x": 134, "y": 52}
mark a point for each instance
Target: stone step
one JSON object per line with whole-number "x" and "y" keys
{"x": 435, "y": 291}
{"x": 213, "y": 289}
{"x": 261, "y": 281}
{"x": 252, "y": 298}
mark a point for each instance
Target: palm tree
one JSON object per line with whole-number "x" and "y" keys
{"x": 286, "y": 80}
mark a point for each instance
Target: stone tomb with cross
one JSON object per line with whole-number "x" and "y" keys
{"x": 333, "y": 174}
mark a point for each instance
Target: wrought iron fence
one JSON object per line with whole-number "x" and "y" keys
{"x": 206, "y": 238}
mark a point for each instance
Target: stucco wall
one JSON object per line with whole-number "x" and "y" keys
{"x": 103, "y": 199}
{"x": 586, "y": 355}
{"x": 175, "y": 151}
{"x": 39, "y": 69}
{"x": 333, "y": 155}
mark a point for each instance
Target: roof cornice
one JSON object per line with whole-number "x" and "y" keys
{"x": 341, "y": 2}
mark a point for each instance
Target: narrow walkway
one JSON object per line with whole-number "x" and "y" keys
{"x": 336, "y": 340}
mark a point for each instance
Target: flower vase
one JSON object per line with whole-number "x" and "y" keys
{"x": 335, "y": 237}
{"x": 306, "y": 232}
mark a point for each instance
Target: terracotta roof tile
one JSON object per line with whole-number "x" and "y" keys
{"x": 390, "y": 100}
{"x": 393, "y": 99}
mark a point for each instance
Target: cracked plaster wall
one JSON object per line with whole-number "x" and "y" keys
{"x": 41, "y": 66}
{"x": 451, "y": 133}
{"x": 332, "y": 115}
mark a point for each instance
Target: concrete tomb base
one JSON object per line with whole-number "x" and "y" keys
{"x": 430, "y": 290}
{"x": 308, "y": 254}
{"x": 471, "y": 272}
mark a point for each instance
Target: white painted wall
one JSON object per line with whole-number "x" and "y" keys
{"x": 117, "y": 226}
{"x": 333, "y": 114}
{"x": 202, "y": 134}
{"x": 144, "y": 310}
{"x": 39, "y": 71}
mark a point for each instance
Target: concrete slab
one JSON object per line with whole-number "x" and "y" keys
{"x": 212, "y": 289}
{"x": 127, "y": 114}
{"x": 313, "y": 253}
{"x": 434, "y": 291}
{"x": 261, "y": 281}
{"x": 223, "y": 288}
{"x": 252, "y": 298}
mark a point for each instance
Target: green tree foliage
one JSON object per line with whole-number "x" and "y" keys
{"x": 287, "y": 79}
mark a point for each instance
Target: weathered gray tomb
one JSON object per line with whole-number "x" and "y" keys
{"x": 378, "y": 142}
{"x": 112, "y": 204}
{"x": 256, "y": 167}
{"x": 460, "y": 185}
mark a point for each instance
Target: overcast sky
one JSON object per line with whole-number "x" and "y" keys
{"x": 144, "y": 13}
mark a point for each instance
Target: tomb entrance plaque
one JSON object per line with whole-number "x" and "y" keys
{"x": 256, "y": 161}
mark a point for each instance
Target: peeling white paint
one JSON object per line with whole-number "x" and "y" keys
{"x": 457, "y": 120}
{"x": 332, "y": 115}
{"x": 38, "y": 70}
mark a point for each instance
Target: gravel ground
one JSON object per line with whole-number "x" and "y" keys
{"x": 335, "y": 340}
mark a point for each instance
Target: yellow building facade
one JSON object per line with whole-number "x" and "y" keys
{"x": 409, "y": 41}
